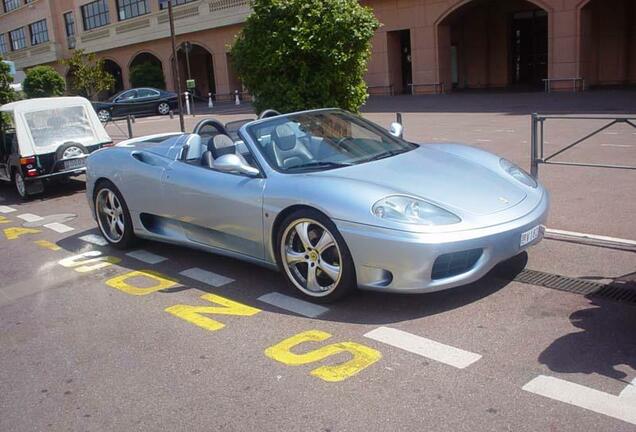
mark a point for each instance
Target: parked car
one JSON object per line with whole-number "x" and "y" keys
{"x": 331, "y": 199}
{"x": 138, "y": 101}
{"x": 47, "y": 138}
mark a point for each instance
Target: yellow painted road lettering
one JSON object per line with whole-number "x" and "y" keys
{"x": 4, "y": 220}
{"x": 45, "y": 244}
{"x": 196, "y": 314}
{"x": 88, "y": 261}
{"x": 16, "y": 232}
{"x": 158, "y": 280}
{"x": 363, "y": 356}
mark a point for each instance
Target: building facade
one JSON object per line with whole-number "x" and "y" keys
{"x": 423, "y": 46}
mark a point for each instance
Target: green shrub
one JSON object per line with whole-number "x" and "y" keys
{"x": 86, "y": 74}
{"x": 302, "y": 54}
{"x": 43, "y": 81}
{"x": 147, "y": 74}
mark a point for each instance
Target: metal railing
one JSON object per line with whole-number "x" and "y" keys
{"x": 537, "y": 151}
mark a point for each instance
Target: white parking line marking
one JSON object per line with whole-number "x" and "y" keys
{"x": 292, "y": 304}
{"x": 207, "y": 277}
{"x": 610, "y": 133}
{"x": 484, "y": 140}
{"x": 590, "y": 236}
{"x": 94, "y": 239}
{"x": 28, "y": 217}
{"x": 617, "y": 145}
{"x": 428, "y": 348}
{"x": 59, "y": 227}
{"x": 622, "y": 407}
{"x": 145, "y": 256}
{"x": 6, "y": 209}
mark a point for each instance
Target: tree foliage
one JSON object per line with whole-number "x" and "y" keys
{"x": 86, "y": 74}
{"x": 147, "y": 74}
{"x": 43, "y": 81}
{"x": 302, "y": 54}
{"x": 6, "y": 92}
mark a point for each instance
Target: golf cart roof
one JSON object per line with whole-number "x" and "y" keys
{"x": 39, "y": 104}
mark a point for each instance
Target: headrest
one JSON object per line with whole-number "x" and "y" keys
{"x": 284, "y": 137}
{"x": 222, "y": 145}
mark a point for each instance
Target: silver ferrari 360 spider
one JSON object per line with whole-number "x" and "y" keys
{"x": 331, "y": 199}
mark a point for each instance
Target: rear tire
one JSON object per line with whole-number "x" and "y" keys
{"x": 163, "y": 108}
{"x": 70, "y": 150}
{"x": 20, "y": 185}
{"x": 314, "y": 257}
{"x": 113, "y": 217}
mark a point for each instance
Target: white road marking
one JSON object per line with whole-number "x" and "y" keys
{"x": 94, "y": 239}
{"x": 292, "y": 304}
{"x": 207, "y": 277}
{"x": 58, "y": 227}
{"x": 617, "y": 145}
{"x": 484, "y": 140}
{"x": 28, "y": 217}
{"x": 622, "y": 407}
{"x": 590, "y": 236}
{"x": 611, "y": 133}
{"x": 145, "y": 256}
{"x": 6, "y": 209}
{"x": 428, "y": 348}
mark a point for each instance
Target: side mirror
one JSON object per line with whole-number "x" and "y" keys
{"x": 397, "y": 130}
{"x": 232, "y": 163}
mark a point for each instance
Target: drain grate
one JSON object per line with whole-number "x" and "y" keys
{"x": 614, "y": 291}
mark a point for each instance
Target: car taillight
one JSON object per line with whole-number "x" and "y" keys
{"x": 32, "y": 173}
{"x": 27, "y": 160}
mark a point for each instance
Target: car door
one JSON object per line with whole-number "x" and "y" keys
{"x": 147, "y": 99}
{"x": 217, "y": 209}
{"x": 124, "y": 104}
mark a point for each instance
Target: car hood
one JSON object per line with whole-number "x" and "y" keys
{"x": 452, "y": 181}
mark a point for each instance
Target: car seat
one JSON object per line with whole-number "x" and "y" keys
{"x": 286, "y": 149}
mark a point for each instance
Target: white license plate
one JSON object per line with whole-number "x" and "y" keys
{"x": 74, "y": 163}
{"x": 530, "y": 236}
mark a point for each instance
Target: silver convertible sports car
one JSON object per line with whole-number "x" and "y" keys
{"x": 332, "y": 200}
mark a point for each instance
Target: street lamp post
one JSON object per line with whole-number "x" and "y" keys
{"x": 175, "y": 66}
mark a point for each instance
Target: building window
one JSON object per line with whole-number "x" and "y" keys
{"x": 39, "y": 32}
{"x": 131, "y": 8}
{"x": 3, "y": 44}
{"x": 17, "y": 39}
{"x": 9, "y": 5}
{"x": 69, "y": 25}
{"x": 163, "y": 4}
{"x": 95, "y": 14}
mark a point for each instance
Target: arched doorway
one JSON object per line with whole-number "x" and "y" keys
{"x": 114, "y": 69}
{"x": 607, "y": 49}
{"x": 196, "y": 63}
{"x": 493, "y": 44}
{"x": 146, "y": 70}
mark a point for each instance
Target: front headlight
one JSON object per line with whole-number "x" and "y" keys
{"x": 404, "y": 209}
{"x": 517, "y": 172}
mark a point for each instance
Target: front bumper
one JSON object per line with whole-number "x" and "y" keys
{"x": 397, "y": 261}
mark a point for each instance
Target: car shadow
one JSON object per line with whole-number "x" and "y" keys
{"x": 605, "y": 340}
{"x": 251, "y": 282}
{"x": 52, "y": 190}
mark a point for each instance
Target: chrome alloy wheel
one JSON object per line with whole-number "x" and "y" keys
{"x": 103, "y": 115}
{"x": 163, "y": 108}
{"x": 311, "y": 257}
{"x": 72, "y": 152}
{"x": 110, "y": 215}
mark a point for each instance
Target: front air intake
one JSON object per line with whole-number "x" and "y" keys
{"x": 456, "y": 263}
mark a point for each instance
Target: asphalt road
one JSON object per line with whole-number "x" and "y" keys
{"x": 165, "y": 338}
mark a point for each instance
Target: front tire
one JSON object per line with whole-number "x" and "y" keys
{"x": 314, "y": 257}
{"x": 113, "y": 216}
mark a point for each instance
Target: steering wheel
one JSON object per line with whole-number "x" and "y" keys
{"x": 268, "y": 113}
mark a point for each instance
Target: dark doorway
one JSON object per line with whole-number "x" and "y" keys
{"x": 529, "y": 48}
{"x": 113, "y": 68}
{"x": 195, "y": 63}
{"x": 399, "y": 56}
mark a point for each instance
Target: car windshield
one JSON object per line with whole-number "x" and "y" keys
{"x": 59, "y": 125}
{"x": 323, "y": 140}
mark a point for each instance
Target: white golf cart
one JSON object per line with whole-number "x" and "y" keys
{"x": 47, "y": 138}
